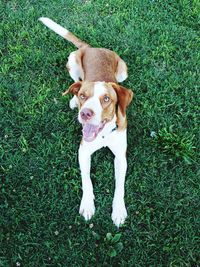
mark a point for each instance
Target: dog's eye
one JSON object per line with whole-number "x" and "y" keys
{"x": 82, "y": 96}
{"x": 106, "y": 99}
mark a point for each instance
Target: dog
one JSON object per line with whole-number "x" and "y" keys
{"x": 102, "y": 104}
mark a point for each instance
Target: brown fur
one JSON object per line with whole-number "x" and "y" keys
{"x": 105, "y": 63}
{"x": 124, "y": 97}
{"x": 74, "y": 40}
{"x": 118, "y": 95}
{"x": 109, "y": 108}
{"x": 73, "y": 89}
{"x": 81, "y": 88}
{"x": 100, "y": 64}
{"x": 87, "y": 89}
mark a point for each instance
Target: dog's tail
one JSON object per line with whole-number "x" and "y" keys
{"x": 63, "y": 32}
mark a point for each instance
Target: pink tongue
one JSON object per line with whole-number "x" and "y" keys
{"x": 90, "y": 131}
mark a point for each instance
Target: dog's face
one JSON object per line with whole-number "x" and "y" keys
{"x": 97, "y": 103}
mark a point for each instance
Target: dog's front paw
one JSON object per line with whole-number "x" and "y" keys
{"x": 87, "y": 208}
{"x": 119, "y": 213}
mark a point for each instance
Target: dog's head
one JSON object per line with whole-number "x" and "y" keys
{"x": 98, "y": 103}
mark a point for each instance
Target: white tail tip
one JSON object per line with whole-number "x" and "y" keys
{"x": 54, "y": 26}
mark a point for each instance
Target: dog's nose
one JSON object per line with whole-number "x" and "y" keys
{"x": 86, "y": 114}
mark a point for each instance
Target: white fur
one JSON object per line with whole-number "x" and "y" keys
{"x": 122, "y": 76}
{"x": 94, "y": 104}
{"x": 73, "y": 103}
{"x": 117, "y": 142}
{"x": 121, "y": 72}
{"x": 54, "y": 26}
{"x": 75, "y": 70}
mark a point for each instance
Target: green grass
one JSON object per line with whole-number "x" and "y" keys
{"x": 40, "y": 180}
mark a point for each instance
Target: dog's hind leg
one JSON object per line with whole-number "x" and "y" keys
{"x": 121, "y": 72}
{"x": 74, "y": 66}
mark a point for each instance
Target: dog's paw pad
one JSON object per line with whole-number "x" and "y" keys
{"x": 87, "y": 209}
{"x": 119, "y": 215}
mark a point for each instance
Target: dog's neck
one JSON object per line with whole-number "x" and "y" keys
{"x": 109, "y": 128}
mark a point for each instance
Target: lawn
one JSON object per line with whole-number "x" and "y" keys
{"x": 40, "y": 188}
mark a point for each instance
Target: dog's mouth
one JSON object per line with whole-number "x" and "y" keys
{"x": 90, "y": 131}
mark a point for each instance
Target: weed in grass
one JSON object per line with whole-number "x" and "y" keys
{"x": 114, "y": 246}
{"x": 180, "y": 147}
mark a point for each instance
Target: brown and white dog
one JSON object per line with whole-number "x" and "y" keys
{"x": 102, "y": 107}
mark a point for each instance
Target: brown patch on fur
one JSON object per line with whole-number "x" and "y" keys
{"x": 79, "y": 89}
{"x": 99, "y": 64}
{"x": 117, "y": 94}
{"x": 124, "y": 97}
{"x": 74, "y": 40}
{"x": 87, "y": 90}
{"x": 109, "y": 108}
{"x": 121, "y": 121}
{"x": 73, "y": 89}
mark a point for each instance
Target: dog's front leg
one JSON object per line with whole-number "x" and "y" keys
{"x": 118, "y": 146}
{"x": 119, "y": 212}
{"x": 87, "y": 207}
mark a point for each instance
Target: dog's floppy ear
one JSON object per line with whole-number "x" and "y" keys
{"x": 124, "y": 97}
{"x": 73, "y": 89}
